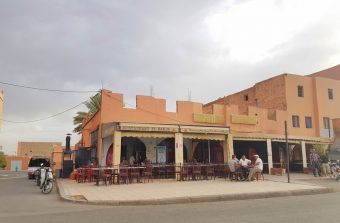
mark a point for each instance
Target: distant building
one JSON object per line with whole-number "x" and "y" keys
{"x": 36, "y": 148}
{"x": 28, "y": 149}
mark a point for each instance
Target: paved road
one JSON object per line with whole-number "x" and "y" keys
{"x": 22, "y": 201}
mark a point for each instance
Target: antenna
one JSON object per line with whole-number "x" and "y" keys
{"x": 151, "y": 90}
{"x": 189, "y": 95}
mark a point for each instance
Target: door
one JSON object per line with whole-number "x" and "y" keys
{"x": 16, "y": 165}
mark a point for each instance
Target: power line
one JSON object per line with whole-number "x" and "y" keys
{"x": 45, "y": 89}
{"x": 41, "y": 119}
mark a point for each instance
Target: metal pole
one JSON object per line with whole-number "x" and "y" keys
{"x": 287, "y": 151}
{"x": 329, "y": 128}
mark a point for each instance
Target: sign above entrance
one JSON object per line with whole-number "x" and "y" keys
{"x": 208, "y": 118}
{"x": 147, "y": 127}
{"x": 205, "y": 130}
{"x": 244, "y": 119}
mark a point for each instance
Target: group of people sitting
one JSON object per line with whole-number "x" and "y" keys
{"x": 245, "y": 169}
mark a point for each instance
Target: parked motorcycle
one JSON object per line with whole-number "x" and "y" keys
{"x": 46, "y": 180}
{"x": 335, "y": 169}
{"x": 37, "y": 176}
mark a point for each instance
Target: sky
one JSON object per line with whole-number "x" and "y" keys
{"x": 203, "y": 48}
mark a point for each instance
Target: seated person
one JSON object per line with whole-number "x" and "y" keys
{"x": 233, "y": 166}
{"x": 132, "y": 160}
{"x": 256, "y": 168}
{"x": 124, "y": 162}
{"x": 244, "y": 166}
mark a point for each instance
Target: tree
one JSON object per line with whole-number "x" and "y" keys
{"x": 2, "y": 160}
{"x": 93, "y": 105}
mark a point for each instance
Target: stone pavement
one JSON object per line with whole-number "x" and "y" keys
{"x": 168, "y": 191}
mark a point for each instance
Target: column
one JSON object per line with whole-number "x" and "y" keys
{"x": 304, "y": 155}
{"x": 117, "y": 141}
{"x": 228, "y": 147}
{"x": 178, "y": 148}
{"x": 270, "y": 155}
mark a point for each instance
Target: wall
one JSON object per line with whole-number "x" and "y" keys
{"x": 326, "y": 107}
{"x": 301, "y": 106}
{"x": 24, "y": 159}
{"x": 269, "y": 94}
{"x": 57, "y": 158}
{"x": 148, "y": 110}
{"x": 36, "y": 148}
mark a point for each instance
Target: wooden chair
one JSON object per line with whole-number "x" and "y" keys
{"x": 196, "y": 172}
{"x": 88, "y": 175}
{"x": 170, "y": 171}
{"x": 209, "y": 171}
{"x": 259, "y": 174}
{"x": 123, "y": 175}
{"x": 80, "y": 175}
{"x": 107, "y": 177}
{"x": 134, "y": 174}
{"x": 184, "y": 173}
{"x": 148, "y": 173}
{"x": 161, "y": 171}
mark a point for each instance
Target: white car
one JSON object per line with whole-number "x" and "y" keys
{"x": 35, "y": 164}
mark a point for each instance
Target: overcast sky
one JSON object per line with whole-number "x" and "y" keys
{"x": 210, "y": 47}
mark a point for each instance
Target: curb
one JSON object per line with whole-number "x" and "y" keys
{"x": 197, "y": 199}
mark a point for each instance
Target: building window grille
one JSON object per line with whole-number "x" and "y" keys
{"x": 326, "y": 124}
{"x": 308, "y": 121}
{"x": 296, "y": 121}
{"x": 300, "y": 91}
{"x": 330, "y": 94}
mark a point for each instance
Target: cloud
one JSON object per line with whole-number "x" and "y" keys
{"x": 211, "y": 48}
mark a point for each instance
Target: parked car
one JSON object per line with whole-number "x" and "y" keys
{"x": 35, "y": 164}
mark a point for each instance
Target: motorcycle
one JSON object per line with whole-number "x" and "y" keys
{"x": 37, "y": 176}
{"x": 335, "y": 170}
{"x": 46, "y": 180}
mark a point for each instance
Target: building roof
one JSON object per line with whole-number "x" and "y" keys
{"x": 331, "y": 73}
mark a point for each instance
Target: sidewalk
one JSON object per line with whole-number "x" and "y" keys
{"x": 172, "y": 191}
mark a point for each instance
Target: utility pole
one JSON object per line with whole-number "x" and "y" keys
{"x": 287, "y": 152}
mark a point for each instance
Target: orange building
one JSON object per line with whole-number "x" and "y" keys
{"x": 36, "y": 148}
{"x": 307, "y": 103}
{"x": 248, "y": 122}
{"x": 26, "y": 150}
{"x": 17, "y": 163}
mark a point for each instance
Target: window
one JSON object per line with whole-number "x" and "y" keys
{"x": 308, "y": 121}
{"x": 326, "y": 123}
{"x": 300, "y": 91}
{"x": 245, "y": 97}
{"x": 330, "y": 94}
{"x": 296, "y": 121}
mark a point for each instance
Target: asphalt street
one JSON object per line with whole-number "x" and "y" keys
{"x": 22, "y": 201}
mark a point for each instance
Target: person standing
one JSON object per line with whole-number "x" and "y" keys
{"x": 314, "y": 162}
{"x": 325, "y": 168}
{"x": 257, "y": 168}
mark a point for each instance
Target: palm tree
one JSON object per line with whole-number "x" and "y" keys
{"x": 93, "y": 105}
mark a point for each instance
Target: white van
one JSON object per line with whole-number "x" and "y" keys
{"x": 35, "y": 163}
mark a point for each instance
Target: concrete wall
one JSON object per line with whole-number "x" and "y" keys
{"x": 300, "y": 106}
{"x": 148, "y": 110}
{"x": 36, "y": 148}
{"x": 24, "y": 161}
